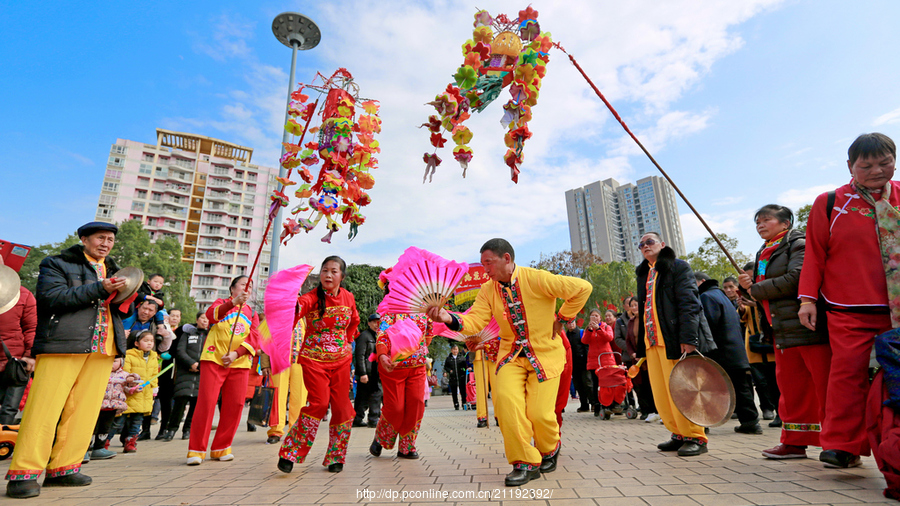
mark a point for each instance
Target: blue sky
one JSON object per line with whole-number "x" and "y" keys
{"x": 743, "y": 103}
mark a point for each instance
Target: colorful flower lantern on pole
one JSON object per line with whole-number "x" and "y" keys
{"x": 502, "y": 53}
{"x": 345, "y": 146}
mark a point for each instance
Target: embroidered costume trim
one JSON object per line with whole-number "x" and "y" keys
{"x": 338, "y": 437}
{"x": 299, "y": 439}
{"x": 801, "y": 427}
{"x": 515, "y": 314}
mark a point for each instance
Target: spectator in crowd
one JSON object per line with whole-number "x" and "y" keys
{"x": 17, "y": 328}
{"x": 803, "y": 356}
{"x": 186, "y": 385}
{"x": 368, "y": 388}
{"x": 143, "y": 362}
{"x": 152, "y": 290}
{"x": 859, "y": 293}
{"x": 224, "y": 368}
{"x": 731, "y": 352}
{"x": 164, "y": 399}
{"x": 730, "y": 286}
{"x": 596, "y": 337}
{"x": 579, "y": 366}
{"x": 78, "y": 335}
{"x": 620, "y": 339}
{"x": 455, "y": 366}
{"x": 141, "y": 320}
{"x": 761, "y": 354}
{"x": 671, "y": 325}
{"x": 114, "y": 404}
{"x": 601, "y": 346}
{"x": 641, "y": 382}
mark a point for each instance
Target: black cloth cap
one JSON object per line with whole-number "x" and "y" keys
{"x": 374, "y": 316}
{"x": 96, "y": 226}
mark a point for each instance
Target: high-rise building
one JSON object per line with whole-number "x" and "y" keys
{"x": 608, "y": 219}
{"x": 205, "y": 193}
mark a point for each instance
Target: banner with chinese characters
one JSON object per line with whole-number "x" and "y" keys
{"x": 471, "y": 283}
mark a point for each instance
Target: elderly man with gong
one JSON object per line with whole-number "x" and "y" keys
{"x": 532, "y": 356}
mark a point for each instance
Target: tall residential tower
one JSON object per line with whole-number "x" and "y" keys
{"x": 205, "y": 193}
{"x": 608, "y": 219}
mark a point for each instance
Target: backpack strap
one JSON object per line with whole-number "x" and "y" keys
{"x": 830, "y": 205}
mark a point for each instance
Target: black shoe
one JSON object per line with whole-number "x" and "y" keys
{"x": 690, "y": 449}
{"x": 251, "y": 427}
{"x": 358, "y": 423}
{"x": 644, "y": 416}
{"x": 271, "y": 440}
{"x": 583, "y": 409}
{"x": 144, "y": 436}
{"x": 734, "y": 416}
{"x": 335, "y": 468}
{"x": 23, "y": 489}
{"x": 839, "y": 459}
{"x": 618, "y": 408}
{"x": 520, "y": 477}
{"x": 169, "y": 435}
{"x": 186, "y": 434}
{"x": 161, "y": 436}
{"x": 670, "y": 445}
{"x": 375, "y": 449}
{"x": 749, "y": 428}
{"x": 768, "y": 414}
{"x": 285, "y": 465}
{"x": 481, "y": 424}
{"x": 548, "y": 464}
{"x": 69, "y": 480}
{"x": 411, "y": 455}
{"x": 372, "y": 423}
{"x": 456, "y": 407}
{"x": 776, "y": 422}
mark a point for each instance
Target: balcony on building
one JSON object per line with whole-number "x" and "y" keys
{"x": 218, "y": 183}
{"x": 218, "y": 196}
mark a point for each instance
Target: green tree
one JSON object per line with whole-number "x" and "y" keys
{"x": 613, "y": 282}
{"x": 567, "y": 263}
{"x": 710, "y": 259}
{"x": 803, "y": 217}
{"x": 28, "y": 274}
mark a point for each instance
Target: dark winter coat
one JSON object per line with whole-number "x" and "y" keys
{"x": 68, "y": 301}
{"x": 725, "y": 326}
{"x": 579, "y": 350}
{"x": 456, "y": 368}
{"x": 677, "y": 305}
{"x": 780, "y": 289}
{"x": 187, "y": 353}
{"x": 620, "y": 334}
{"x": 365, "y": 346}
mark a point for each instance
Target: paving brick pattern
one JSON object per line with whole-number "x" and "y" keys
{"x": 602, "y": 463}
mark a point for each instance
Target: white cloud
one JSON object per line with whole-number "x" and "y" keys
{"x": 642, "y": 55}
{"x": 888, "y": 119}
{"x": 796, "y": 198}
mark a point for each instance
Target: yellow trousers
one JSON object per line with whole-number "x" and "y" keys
{"x": 289, "y": 385}
{"x": 482, "y": 383}
{"x": 63, "y": 402}
{"x": 659, "y": 367}
{"x": 526, "y": 411}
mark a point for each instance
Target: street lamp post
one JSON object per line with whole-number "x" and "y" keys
{"x": 295, "y": 31}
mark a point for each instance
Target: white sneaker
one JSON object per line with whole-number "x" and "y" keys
{"x": 226, "y": 458}
{"x": 194, "y": 461}
{"x": 653, "y": 417}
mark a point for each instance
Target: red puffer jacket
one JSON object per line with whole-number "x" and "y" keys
{"x": 17, "y": 327}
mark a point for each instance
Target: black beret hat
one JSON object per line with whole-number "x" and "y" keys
{"x": 96, "y": 226}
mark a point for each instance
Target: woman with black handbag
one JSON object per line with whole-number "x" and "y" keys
{"x": 802, "y": 356}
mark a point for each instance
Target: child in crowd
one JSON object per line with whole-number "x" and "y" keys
{"x": 152, "y": 290}
{"x": 140, "y": 359}
{"x": 114, "y": 405}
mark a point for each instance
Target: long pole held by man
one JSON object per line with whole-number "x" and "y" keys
{"x": 531, "y": 357}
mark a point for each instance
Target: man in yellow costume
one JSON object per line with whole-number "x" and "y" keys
{"x": 289, "y": 390}
{"x": 671, "y": 323}
{"x": 78, "y": 335}
{"x": 531, "y": 356}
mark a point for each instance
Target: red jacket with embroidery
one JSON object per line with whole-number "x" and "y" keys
{"x": 842, "y": 257}
{"x": 328, "y": 336}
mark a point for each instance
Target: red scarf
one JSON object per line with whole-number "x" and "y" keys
{"x": 763, "y": 264}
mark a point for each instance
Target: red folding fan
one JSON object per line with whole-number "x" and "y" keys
{"x": 421, "y": 280}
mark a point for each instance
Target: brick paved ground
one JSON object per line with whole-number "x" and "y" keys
{"x": 602, "y": 462}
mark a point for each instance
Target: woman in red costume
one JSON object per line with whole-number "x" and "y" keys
{"x": 224, "y": 370}
{"x": 597, "y": 336}
{"x": 851, "y": 248}
{"x": 403, "y": 383}
{"x": 331, "y": 326}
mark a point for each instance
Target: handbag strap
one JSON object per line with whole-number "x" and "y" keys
{"x": 9, "y": 356}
